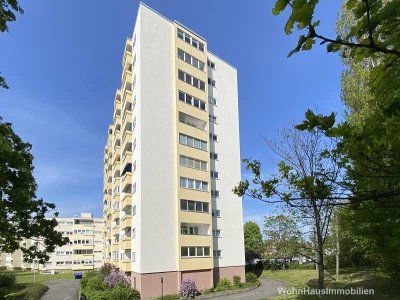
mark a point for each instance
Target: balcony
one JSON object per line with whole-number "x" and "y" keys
{"x": 126, "y": 178}
{"x": 127, "y": 74}
{"x": 126, "y": 266}
{"x": 127, "y": 117}
{"x": 117, "y": 145}
{"x": 127, "y": 92}
{"x": 117, "y": 101}
{"x": 127, "y": 106}
{"x": 128, "y": 52}
{"x": 126, "y": 244}
{"x": 126, "y": 221}
{"x": 116, "y": 157}
{"x": 127, "y": 142}
{"x": 117, "y": 117}
{"x": 126, "y": 201}
{"x": 115, "y": 230}
{"x": 127, "y": 157}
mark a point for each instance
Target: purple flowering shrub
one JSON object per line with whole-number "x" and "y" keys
{"x": 189, "y": 288}
{"x": 117, "y": 278}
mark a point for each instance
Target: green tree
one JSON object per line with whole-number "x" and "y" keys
{"x": 8, "y": 8}
{"x": 368, "y": 138}
{"x": 308, "y": 184}
{"x": 282, "y": 234}
{"x": 22, "y": 214}
{"x": 253, "y": 241}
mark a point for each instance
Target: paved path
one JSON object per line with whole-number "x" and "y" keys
{"x": 62, "y": 289}
{"x": 268, "y": 288}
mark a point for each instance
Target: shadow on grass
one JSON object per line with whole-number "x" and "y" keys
{"x": 381, "y": 287}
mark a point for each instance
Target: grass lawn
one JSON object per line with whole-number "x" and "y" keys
{"x": 27, "y": 277}
{"x": 384, "y": 287}
{"x": 24, "y": 283}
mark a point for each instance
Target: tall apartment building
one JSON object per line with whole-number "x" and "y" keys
{"x": 83, "y": 252}
{"x": 171, "y": 161}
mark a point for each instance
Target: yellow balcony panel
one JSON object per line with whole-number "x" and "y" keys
{"x": 116, "y": 214}
{"x": 127, "y": 138}
{"x": 127, "y": 94}
{"x": 127, "y": 157}
{"x": 115, "y": 261}
{"x": 116, "y": 135}
{"x": 195, "y": 240}
{"x": 117, "y": 148}
{"x": 126, "y": 179}
{"x": 115, "y": 247}
{"x": 126, "y": 200}
{"x": 82, "y": 246}
{"x": 126, "y": 266}
{"x": 117, "y": 102}
{"x": 115, "y": 198}
{"x": 115, "y": 230}
{"x": 126, "y": 117}
{"x": 126, "y": 221}
{"x": 115, "y": 183}
{"x": 127, "y": 74}
{"x": 127, "y": 54}
{"x": 126, "y": 244}
{"x": 196, "y": 263}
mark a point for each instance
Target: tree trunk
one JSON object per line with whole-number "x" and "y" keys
{"x": 321, "y": 277}
{"x": 320, "y": 248}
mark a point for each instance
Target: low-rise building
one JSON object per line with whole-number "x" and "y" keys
{"x": 83, "y": 252}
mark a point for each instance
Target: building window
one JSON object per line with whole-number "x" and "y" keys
{"x": 213, "y": 137}
{"x": 190, "y": 40}
{"x": 214, "y": 193}
{"x": 199, "y": 251}
{"x": 134, "y": 210}
{"x": 214, "y": 174}
{"x": 217, "y": 253}
{"x": 188, "y": 99}
{"x": 133, "y": 256}
{"x": 192, "y": 163}
{"x": 191, "y": 60}
{"x": 210, "y": 64}
{"x": 189, "y": 229}
{"x": 213, "y": 155}
{"x": 216, "y": 233}
{"x": 193, "y": 184}
{"x": 213, "y": 119}
{"x": 216, "y": 213}
{"x": 196, "y": 206}
{"x": 133, "y": 232}
{"x": 192, "y": 142}
{"x": 212, "y": 100}
{"x": 189, "y": 79}
{"x": 83, "y": 251}
{"x": 211, "y": 82}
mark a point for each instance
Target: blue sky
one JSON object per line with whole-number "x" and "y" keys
{"x": 62, "y": 61}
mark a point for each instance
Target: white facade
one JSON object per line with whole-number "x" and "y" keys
{"x": 147, "y": 232}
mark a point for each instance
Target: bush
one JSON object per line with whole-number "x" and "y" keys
{"x": 7, "y": 279}
{"x": 251, "y": 277}
{"x": 31, "y": 292}
{"x": 95, "y": 283}
{"x": 223, "y": 285}
{"x": 117, "y": 278}
{"x": 236, "y": 280}
{"x": 207, "y": 291}
{"x": 122, "y": 292}
{"x": 189, "y": 288}
{"x": 107, "y": 268}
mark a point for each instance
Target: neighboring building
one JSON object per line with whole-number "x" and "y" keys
{"x": 171, "y": 161}
{"x": 83, "y": 252}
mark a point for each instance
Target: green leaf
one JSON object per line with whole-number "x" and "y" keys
{"x": 280, "y": 5}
